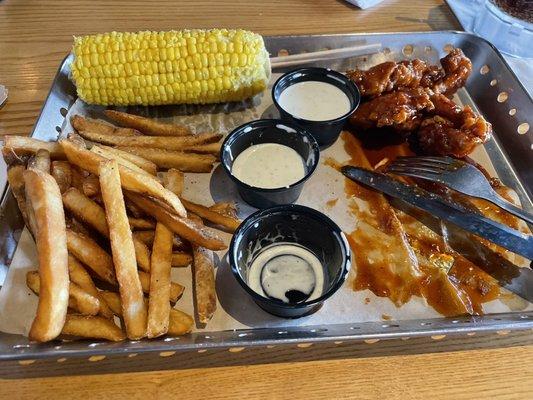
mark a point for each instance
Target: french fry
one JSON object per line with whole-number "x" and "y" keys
{"x": 187, "y": 162}
{"x": 91, "y": 185}
{"x": 179, "y": 322}
{"x": 176, "y": 290}
{"x": 146, "y": 125}
{"x": 160, "y": 142}
{"x": 143, "y": 163}
{"x": 142, "y": 254}
{"x": 158, "y": 305}
{"x": 76, "y": 226}
{"x": 173, "y": 180}
{"x": 147, "y": 237}
{"x": 141, "y": 223}
{"x": 40, "y": 161}
{"x": 134, "y": 210}
{"x": 230, "y": 224}
{"x": 130, "y": 180}
{"x": 102, "y": 151}
{"x": 225, "y": 208}
{"x": 92, "y": 255}
{"x": 204, "y": 291}
{"x": 210, "y": 148}
{"x": 79, "y": 300}
{"x": 46, "y": 209}
{"x": 93, "y": 215}
{"x": 92, "y": 327}
{"x": 78, "y": 176}
{"x": 86, "y": 124}
{"x": 15, "y": 177}
{"x": 183, "y": 227}
{"x": 62, "y": 173}
{"x": 113, "y": 299}
{"x": 79, "y": 275}
{"x": 181, "y": 259}
{"x": 86, "y": 210}
{"x": 133, "y": 308}
{"x": 23, "y": 146}
{"x": 84, "y": 302}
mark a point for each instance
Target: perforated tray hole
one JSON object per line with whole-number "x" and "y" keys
{"x": 493, "y": 82}
{"x": 386, "y": 50}
{"x": 63, "y": 111}
{"x": 484, "y": 70}
{"x": 523, "y": 128}
{"x": 502, "y": 97}
{"x": 408, "y": 50}
{"x": 318, "y": 330}
{"x": 448, "y": 47}
{"x": 235, "y": 349}
{"x": 283, "y": 52}
{"x": 512, "y": 111}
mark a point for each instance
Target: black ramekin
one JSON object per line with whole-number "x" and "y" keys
{"x": 270, "y": 131}
{"x": 325, "y": 132}
{"x": 291, "y": 224}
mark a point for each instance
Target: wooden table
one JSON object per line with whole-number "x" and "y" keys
{"x": 36, "y": 35}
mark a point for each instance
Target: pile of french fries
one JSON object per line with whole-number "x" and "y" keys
{"x": 105, "y": 208}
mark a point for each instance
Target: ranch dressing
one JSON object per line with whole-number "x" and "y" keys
{"x": 268, "y": 166}
{"x": 287, "y": 272}
{"x": 314, "y": 101}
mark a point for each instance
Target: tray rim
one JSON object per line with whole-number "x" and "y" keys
{"x": 437, "y": 326}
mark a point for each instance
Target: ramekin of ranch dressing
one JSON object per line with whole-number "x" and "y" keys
{"x": 268, "y": 166}
{"x": 269, "y": 161}
{"x": 289, "y": 259}
{"x": 320, "y": 100}
{"x": 314, "y": 101}
{"x": 287, "y": 272}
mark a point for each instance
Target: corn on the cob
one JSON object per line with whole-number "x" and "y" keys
{"x": 176, "y": 67}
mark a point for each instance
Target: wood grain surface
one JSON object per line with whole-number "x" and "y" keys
{"x": 36, "y": 35}
{"x": 34, "y": 38}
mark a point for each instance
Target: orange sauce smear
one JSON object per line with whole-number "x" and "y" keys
{"x": 462, "y": 291}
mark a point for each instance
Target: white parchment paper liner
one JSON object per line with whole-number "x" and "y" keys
{"x": 235, "y": 309}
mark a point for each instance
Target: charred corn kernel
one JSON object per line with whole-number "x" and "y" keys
{"x": 151, "y": 68}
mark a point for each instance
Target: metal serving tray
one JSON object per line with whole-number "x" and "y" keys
{"x": 493, "y": 88}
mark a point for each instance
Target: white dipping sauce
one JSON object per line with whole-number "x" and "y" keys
{"x": 286, "y": 272}
{"x": 268, "y": 166}
{"x": 314, "y": 101}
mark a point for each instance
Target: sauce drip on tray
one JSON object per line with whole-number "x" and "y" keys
{"x": 449, "y": 282}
